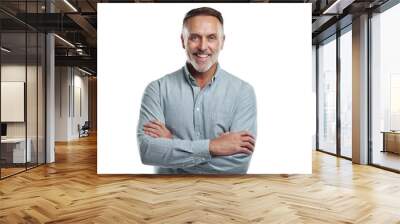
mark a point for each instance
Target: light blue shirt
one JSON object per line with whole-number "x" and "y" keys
{"x": 195, "y": 116}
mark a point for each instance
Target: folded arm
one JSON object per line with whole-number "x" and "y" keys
{"x": 244, "y": 120}
{"x": 158, "y": 146}
{"x": 165, "y": 152}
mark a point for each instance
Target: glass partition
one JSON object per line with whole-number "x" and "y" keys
{"x": 346, "y": 93}
{"x": 327, "y": 96}
{"x": 385, "y": 89}
{"x": 22, "y": 77}
{"x": 35, "y": 89}
{"x": 41, "y": 109}
{"x": 13, "y": 108}
{"x": 32, "y": 95}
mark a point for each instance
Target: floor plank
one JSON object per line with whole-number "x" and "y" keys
{"x": 70, "y": 191}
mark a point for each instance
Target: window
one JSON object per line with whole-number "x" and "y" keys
{"x": 385, "y": 88}
{"x": 327, "y": 96}
{"x": 346, "y": 93}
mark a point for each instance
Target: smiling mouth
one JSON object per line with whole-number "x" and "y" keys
{"x": 201, "y": 57}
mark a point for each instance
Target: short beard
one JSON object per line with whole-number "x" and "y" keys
{"x": 198, "y": 68}
{"x": 213, "y": 60}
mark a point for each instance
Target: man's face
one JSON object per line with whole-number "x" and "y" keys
{"x": 202, "y": 38}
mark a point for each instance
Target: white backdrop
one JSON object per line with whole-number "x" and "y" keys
{"x": 267, "y": 45}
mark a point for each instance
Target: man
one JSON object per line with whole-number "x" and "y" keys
{"x": 199, "y": 119}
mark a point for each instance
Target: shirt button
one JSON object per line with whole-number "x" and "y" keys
{"x": 198, "y": 109}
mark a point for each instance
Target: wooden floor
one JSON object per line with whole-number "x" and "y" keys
{"x": 70, "y": 191}
{"x": 5, "y": 172}
{"x": 8, "y": 171}
{"x": 387, "y": 159}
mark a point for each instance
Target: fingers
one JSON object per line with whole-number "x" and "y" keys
{"x": 156, "y": 129}
{"x": 245, "y": 150}
{"x": 248, "y": 146}
{"x": 152, "y": 134}
{"x": 246, "y": 133}
{"x": 152, "y": 129}
{"x": 249, "y": 139}
{"x": 158, "y": 123}
{"x": 155, "y": 125}
{"x": 152, "y": 126}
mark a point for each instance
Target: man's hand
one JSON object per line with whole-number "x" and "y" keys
{"x": 232, "y": 143}
{"x": 157, "y": 129}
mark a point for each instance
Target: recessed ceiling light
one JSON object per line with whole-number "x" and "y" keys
{"x": 5, "y": 50}
{"x": 84, "y": 71}
{"x": 337, "y": 7}
{"x": 70, "y": 5}
{"x": 64, "y": 40}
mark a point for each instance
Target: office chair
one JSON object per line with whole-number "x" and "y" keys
{"x": 84, "y": 130}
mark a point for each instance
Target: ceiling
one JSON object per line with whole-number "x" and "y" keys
{"x": 76, "y": 22}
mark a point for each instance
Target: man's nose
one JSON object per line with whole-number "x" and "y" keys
{"x": 203, "y": 44}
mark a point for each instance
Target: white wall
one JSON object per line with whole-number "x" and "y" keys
{"x": 16, "y": 73}
{"x": 62, "y": 81}
{"x": 80, "y": 83}
{"x": 70, "y": 83}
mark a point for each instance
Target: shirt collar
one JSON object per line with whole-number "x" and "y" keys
{"x": 192, "y": 80}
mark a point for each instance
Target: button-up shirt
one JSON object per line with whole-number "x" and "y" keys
{"x": 195, "y": 116}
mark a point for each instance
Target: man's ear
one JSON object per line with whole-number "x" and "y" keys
{"x": 223, "y": 41}
{"x": 182, "y": 41}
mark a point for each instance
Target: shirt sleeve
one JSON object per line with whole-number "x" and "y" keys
{"x": 244, "y": 119}
{"x": 162, "y": 152}
{"x": 245, "y": 115}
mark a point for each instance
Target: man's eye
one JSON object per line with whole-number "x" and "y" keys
{"x": 194, "y": 38}
{"x": 212, "y": 37}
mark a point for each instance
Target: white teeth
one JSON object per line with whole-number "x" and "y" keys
{"x": 202, "y": 55}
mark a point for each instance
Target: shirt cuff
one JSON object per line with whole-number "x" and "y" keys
{"x": 201, "y": 150}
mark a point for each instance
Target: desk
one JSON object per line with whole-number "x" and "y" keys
{"x": 391, "y": 141}
{"x": 15, "y": 148}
